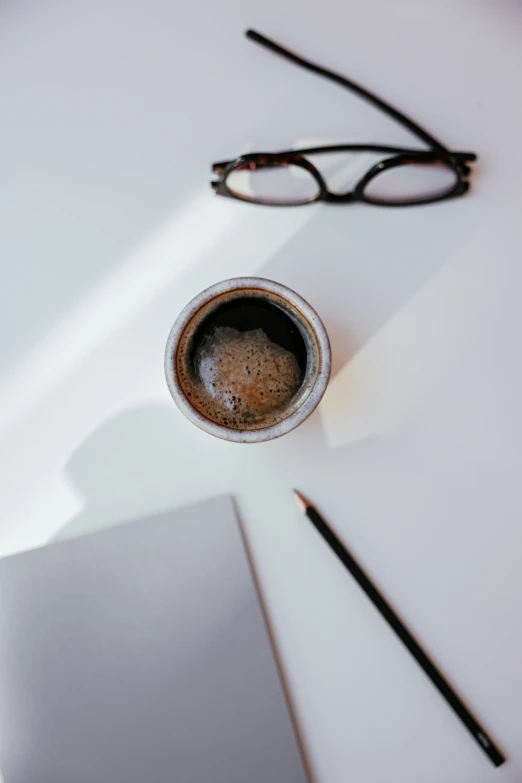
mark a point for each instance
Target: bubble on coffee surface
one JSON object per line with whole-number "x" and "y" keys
{"x": 244, "y": 378}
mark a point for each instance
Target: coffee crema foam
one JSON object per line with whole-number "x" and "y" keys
{"x": 242, "y": 378}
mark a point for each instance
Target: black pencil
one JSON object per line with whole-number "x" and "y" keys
{"x": 402, "y": 632}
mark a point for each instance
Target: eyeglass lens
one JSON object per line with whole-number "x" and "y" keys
{"x": 273, "y": 183}
{"x": 411, "y": 182}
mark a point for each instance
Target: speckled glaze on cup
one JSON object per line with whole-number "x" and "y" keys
{"x": 302, "y": 314}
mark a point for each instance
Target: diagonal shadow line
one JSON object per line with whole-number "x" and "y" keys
{"x": 373, "y": 391}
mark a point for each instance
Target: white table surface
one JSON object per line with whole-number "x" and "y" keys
{"x": 112, "y": 113}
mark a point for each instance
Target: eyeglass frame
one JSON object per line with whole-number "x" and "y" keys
{"x": 438, "y": 154}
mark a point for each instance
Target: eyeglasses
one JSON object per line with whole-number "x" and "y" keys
{"x": 289, "y": 178}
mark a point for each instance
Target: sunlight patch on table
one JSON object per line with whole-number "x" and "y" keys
{"x": 217, "y": 232}
{"x": 37, "y": 521}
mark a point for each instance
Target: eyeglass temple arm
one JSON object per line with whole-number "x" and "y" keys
{"x": 382, "y": 105}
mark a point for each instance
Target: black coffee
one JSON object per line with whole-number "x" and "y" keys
{"x": 244, "y": 363}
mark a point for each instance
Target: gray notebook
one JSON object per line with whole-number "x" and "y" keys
{"x": 140, "y": 655}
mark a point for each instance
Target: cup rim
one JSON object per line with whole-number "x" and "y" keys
{"x": 294, "y": 419}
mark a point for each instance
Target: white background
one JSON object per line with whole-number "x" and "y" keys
{"x": 112, "y": 113}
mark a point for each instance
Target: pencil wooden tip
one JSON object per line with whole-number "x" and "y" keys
{"x": 301, "y": 501}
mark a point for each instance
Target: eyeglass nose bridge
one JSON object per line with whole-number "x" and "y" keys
{"x": 339, "y": 198}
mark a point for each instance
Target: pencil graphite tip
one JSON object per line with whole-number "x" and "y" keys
{"x": 301, "y": 501}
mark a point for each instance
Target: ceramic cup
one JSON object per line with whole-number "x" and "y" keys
{"x": 193, "y": 322}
